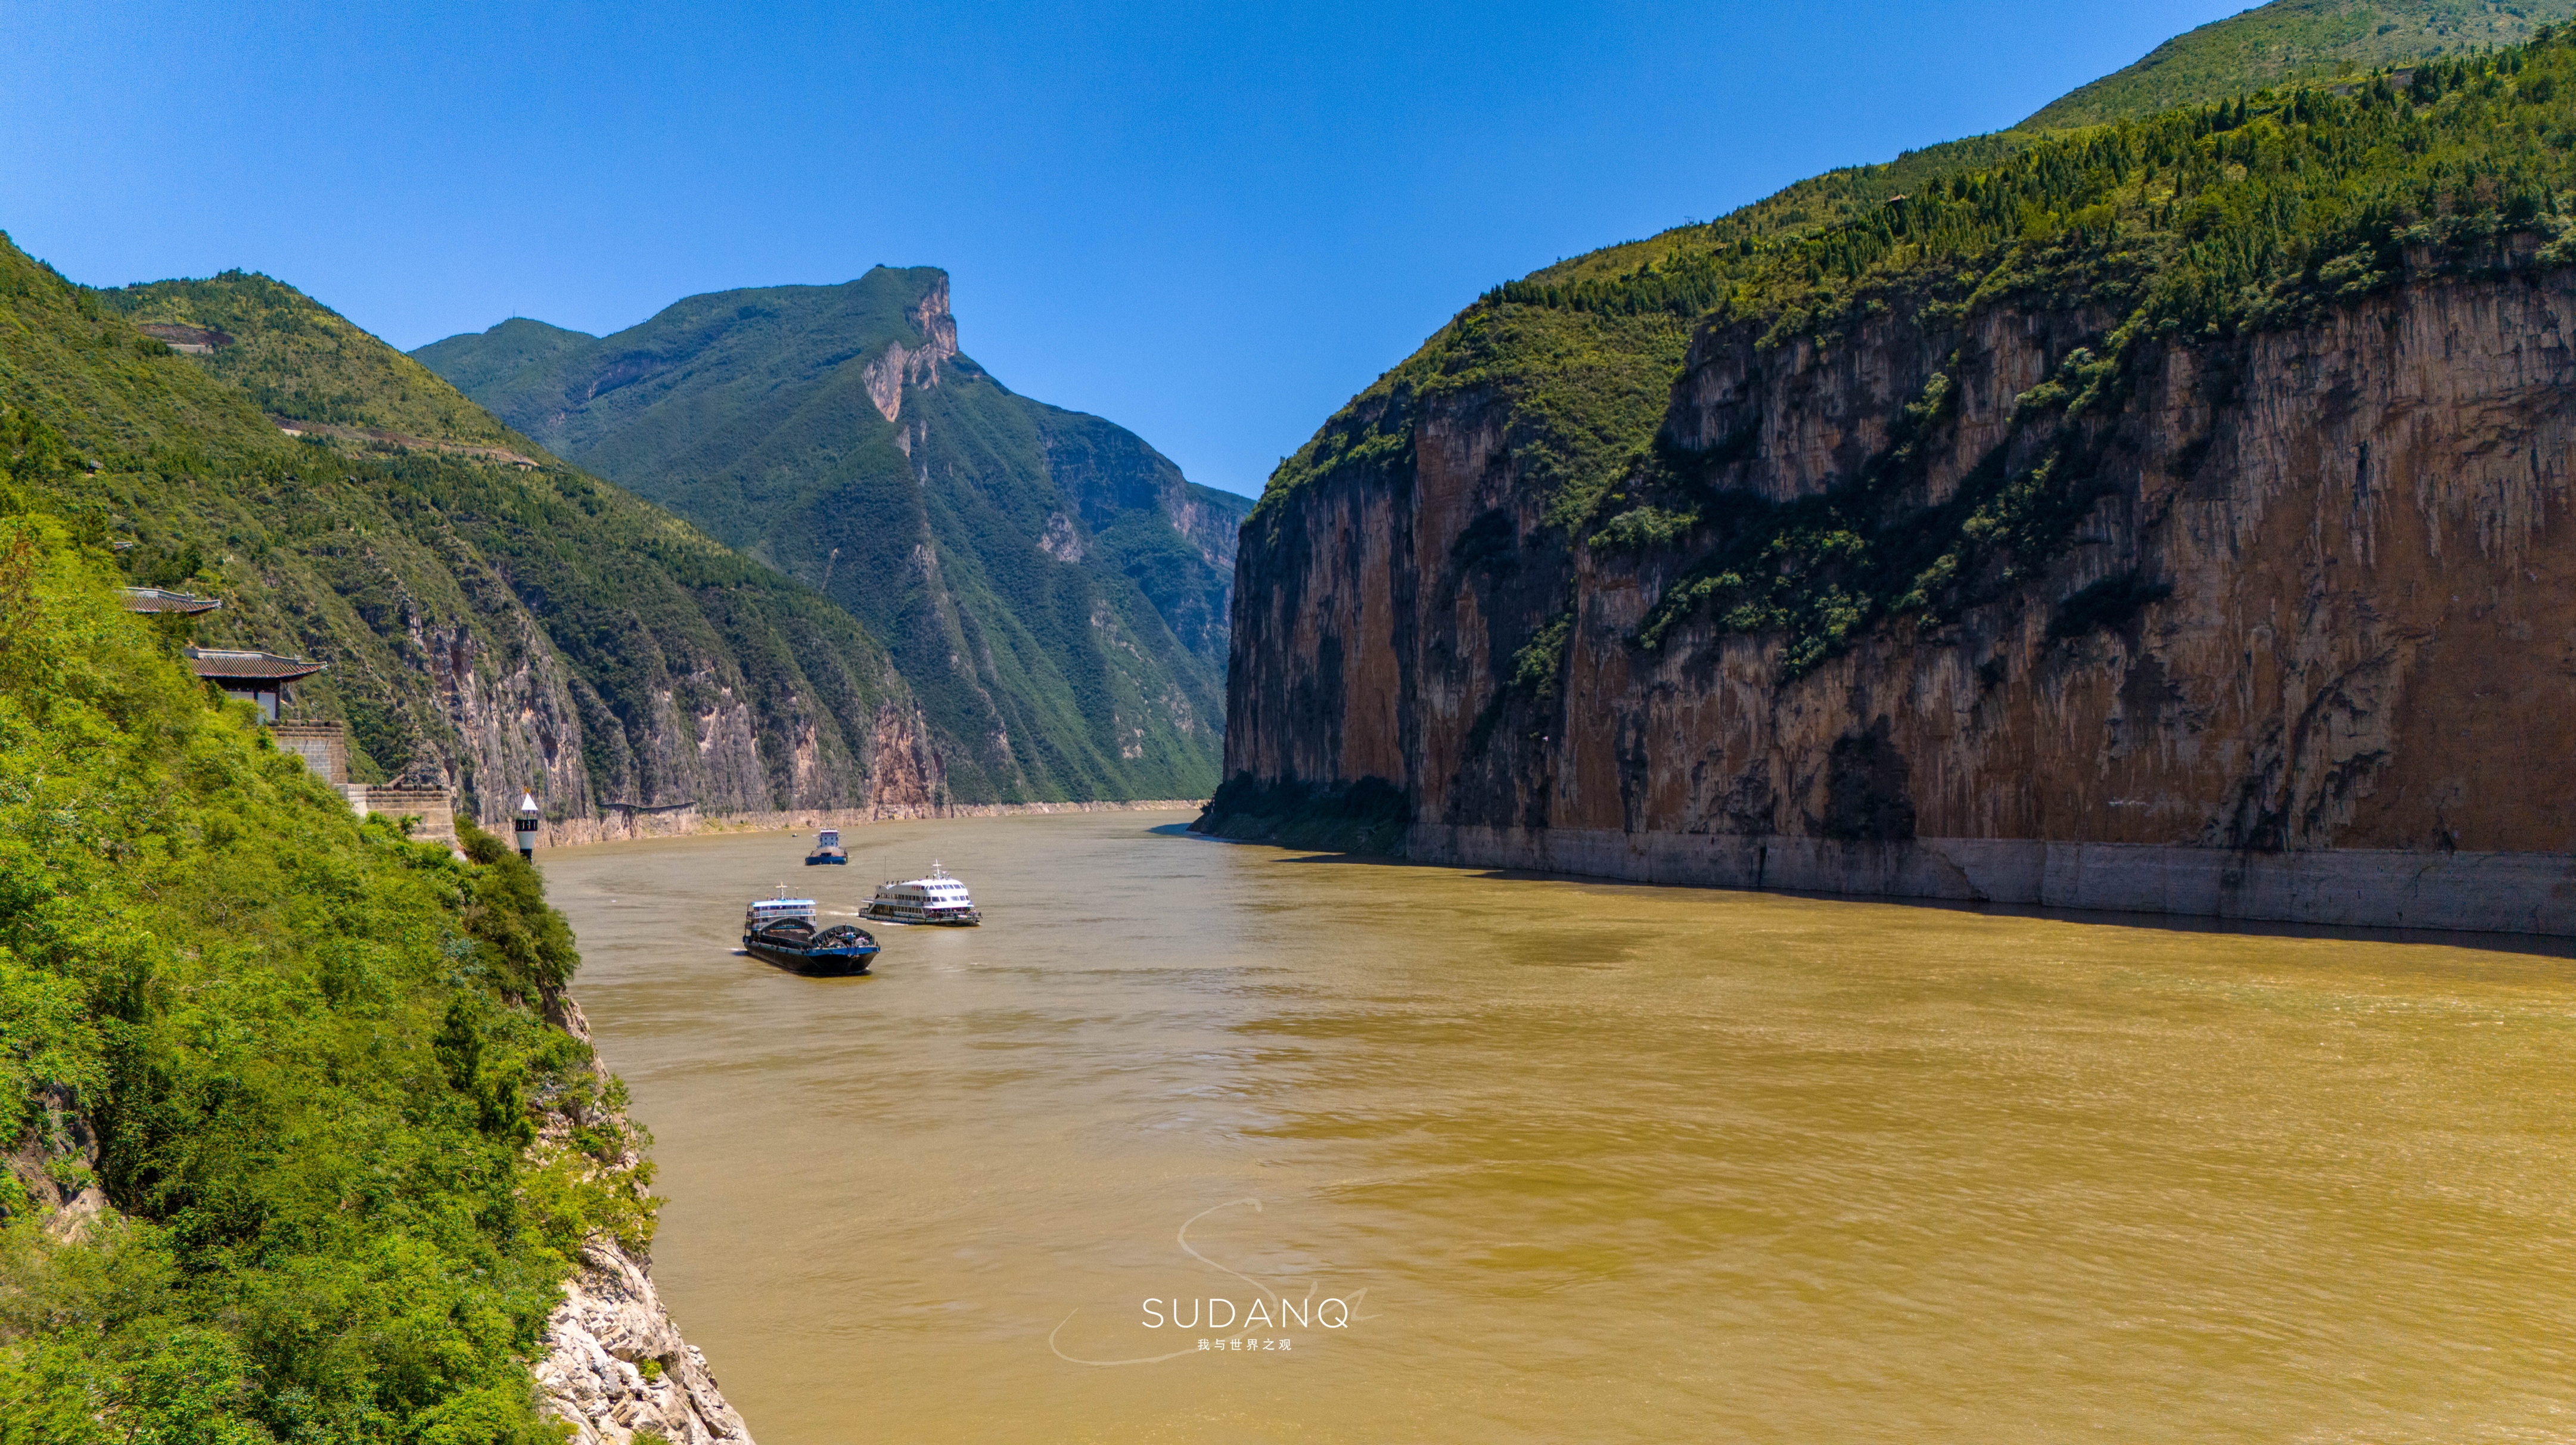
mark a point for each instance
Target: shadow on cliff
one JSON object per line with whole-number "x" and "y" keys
{"x": 1367, "y": 818}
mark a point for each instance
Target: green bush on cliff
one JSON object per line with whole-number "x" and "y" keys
{"x": 2244, "y": 213}
{"x": 309, "y": 1048}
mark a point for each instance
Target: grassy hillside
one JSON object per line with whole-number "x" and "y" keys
{"x": 2293, "y": 39}
{"x": 394, "y": 564}
{"x": 1026, "y": 565}
{"x": 301, "y": 1057}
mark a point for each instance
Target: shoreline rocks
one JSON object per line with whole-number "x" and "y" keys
{"x": 615, "y": 1367}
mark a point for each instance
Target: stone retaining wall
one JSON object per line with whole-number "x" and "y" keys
{"x": 2532, "y": 893}
{"x": 627, "y": 825}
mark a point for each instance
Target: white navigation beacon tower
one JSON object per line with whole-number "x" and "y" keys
{"x": 527, "y": 826}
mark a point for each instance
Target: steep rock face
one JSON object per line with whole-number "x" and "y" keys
{"x": 598, "y": 1343}
{"x": 2316, "y": 600}
{"x": 1052, "y": 589}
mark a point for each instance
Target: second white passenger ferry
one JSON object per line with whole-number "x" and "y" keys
{"x": 935, "y": 899}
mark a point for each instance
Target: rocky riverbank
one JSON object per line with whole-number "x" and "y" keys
{"x": 616, "y": 1367}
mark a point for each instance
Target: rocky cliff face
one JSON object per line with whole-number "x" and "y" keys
{"x": 2313, "y": 596}
{"x": 615, "y": 1367}
{"x": 507, "y": 711}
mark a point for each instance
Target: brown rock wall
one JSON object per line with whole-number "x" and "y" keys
{"x": 2369, "y": 641}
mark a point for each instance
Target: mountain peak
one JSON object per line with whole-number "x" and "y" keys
{"x": 887, "y": 375}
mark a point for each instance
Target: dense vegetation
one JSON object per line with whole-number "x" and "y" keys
{"x": 2187, "y": 227}
{"x": 366, "y": 555}
{"x": 303, "y": 360}
{"x": 2296, "y": 40}
{"x": 2287, "y": 39}
{"x": 1024, "y": 564}
{"x": 312, "y": 1053}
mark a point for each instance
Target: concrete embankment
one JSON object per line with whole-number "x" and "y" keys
{"x": 627, "y": 825}
{"x": 2532, "y": 893}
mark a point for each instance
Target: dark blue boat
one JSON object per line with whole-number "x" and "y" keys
{"x": 827, "y": 849}
{"x": 782, "y": 931}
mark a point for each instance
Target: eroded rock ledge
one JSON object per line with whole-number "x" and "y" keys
{"x": 615, "y": 1366}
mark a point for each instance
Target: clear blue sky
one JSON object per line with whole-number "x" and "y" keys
{"x": 1209, "y": 223}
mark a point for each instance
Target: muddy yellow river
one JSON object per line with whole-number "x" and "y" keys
{"x": 1453, "y": 1156}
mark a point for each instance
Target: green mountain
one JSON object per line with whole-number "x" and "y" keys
{"x": 1586, "y": 349}
{"x": 492, "y": 624}
{"x": 269, "y": 1076}
{"x": 1605, "y": 380}
{"x": 2295, "y": 39}
{"x": 1054, "y": 591}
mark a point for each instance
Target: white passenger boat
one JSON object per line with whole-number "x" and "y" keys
{"x": 935, "y": 899}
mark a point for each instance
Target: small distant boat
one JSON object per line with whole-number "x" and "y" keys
{"x": 782, "y": 930}
{"x": 936, "y": 899}
{"x": 827, "y": 848}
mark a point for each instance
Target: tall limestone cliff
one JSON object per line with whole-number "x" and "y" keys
{"x": 2024, "y": 564}
{"x": 1051, "y": 587}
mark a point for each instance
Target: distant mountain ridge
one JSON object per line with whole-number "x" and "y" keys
{"x": 1053, "y": 589}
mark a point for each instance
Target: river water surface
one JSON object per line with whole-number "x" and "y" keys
{"x": 1575, "y": 1161}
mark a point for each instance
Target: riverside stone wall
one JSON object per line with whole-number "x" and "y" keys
{"x": 2355, "y": 887}
{"x": 626, "y": 826}
{"x": 2345, "y": 547}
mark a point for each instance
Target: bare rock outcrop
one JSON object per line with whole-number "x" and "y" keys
{"x": 900, "y": 365}
{"x": 616, "y": 1367}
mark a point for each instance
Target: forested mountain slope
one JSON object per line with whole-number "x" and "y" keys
{"x": 2294, "y": 39}
{"x": 489, "y": 625}
{"x": 2218, "y": 61}
{"x": 1053, "y": 589}
{"x": 271, "y": 1076}
{"x": 2190, "y": 482}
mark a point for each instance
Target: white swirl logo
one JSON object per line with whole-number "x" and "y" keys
{"x": 1269, "y": 1310}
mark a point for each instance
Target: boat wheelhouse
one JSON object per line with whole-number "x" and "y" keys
{"x": 783, "y": 931}
{"x": 936, "y": 899}
{"x": 827, "y": 849}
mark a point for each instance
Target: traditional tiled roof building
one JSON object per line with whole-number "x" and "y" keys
{"x": 254, "y": 677}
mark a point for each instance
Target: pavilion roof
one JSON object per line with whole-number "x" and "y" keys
{"x": 248, "y": 666}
